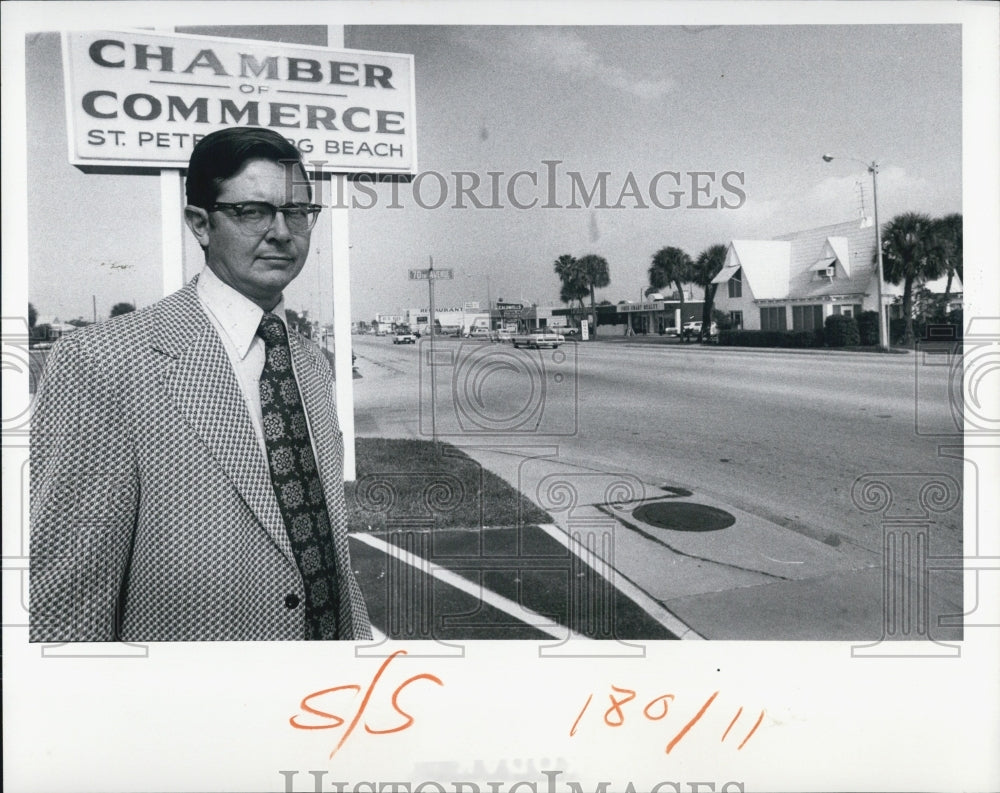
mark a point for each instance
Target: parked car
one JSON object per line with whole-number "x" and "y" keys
{"x": 538, "y": 339}
{"x": 694, "y": 328}
{"x": 404, "y": 338}
{"x": 479, "y": 331}
{"x": 569, "y": 331}
{"x": 501, "y": 336}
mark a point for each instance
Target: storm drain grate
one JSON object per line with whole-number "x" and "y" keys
{"x": 683, "y": 516}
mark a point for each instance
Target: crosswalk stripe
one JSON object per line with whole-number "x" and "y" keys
{"x": 653, "y": 608}
{"x": 489, "y": 597}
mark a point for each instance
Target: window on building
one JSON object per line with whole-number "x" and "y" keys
{"x": 848, "y": 311}
{"x": 736, "y": 319}
{"x": 807, "y": 317}
{"x": 736, "y": 284}
{"x": 773, "y": 318}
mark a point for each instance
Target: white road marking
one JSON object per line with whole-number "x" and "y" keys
{"x": 780, "y": 561}
{"x": 487, "y": 596}
{"x": 654, "y": 609}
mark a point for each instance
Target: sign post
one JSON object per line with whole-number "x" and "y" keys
{"x": 431, "y": 275}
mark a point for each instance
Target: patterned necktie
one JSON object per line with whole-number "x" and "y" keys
{"x": 296, "y": 482}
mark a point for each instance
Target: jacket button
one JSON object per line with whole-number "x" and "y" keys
{"x": 292, "y": 600}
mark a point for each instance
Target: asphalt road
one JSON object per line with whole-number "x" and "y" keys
{"x": 777, "y": 438}
{"x": 778, "y": 435}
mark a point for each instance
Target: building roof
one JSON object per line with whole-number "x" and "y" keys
{"x": 792, "y": 266}
{"x": 788, "y": 267}
{"x": 850, "y": 244}
{"x": 764, "y": 263}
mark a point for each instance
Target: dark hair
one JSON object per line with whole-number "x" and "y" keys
{"x": 221, "y": 154}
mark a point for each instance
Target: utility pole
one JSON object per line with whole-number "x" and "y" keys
{"x": 883, "y": 329}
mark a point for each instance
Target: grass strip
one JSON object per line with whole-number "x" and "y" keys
{"x": 422, "y": 485}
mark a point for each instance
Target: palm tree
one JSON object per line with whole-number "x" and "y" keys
{"x": 571, "y": 283}
{"x": 594, "y": 274}
{"x": 708, "y": 265}
{"x": 670, "y": 266}
{"x": 948, "y": 244}
{"x": 908, "y": 255}
{"x": 121, "y": 308}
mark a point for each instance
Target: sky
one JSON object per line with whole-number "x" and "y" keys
{"x": 761, "y": 103}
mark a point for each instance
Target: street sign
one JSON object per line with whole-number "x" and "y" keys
{"x": 430, "y": 275}
{"x": 425, "y": 275}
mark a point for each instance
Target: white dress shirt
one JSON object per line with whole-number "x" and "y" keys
{"x": 236, "y": 318}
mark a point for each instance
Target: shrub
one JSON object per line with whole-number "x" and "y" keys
{"x": 948, "y": 328}
{"x": 772, "y": 338}
{"x": 721, "y": 319}
{"x": 841, "y": 331}
{"x": 955, "y": 318}
{"x": 868, "y": 328}
{"x": 897, "y": 329}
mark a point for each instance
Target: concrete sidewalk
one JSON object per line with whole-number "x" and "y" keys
{"x": 753, "y": 580}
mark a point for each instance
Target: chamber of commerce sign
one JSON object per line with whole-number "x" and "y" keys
{"x": 141, "y": 99}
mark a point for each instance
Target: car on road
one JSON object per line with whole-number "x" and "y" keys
{"x": 538, "y": 339}
{"x": 569, "y": 331}
{"x": 694, "y": 328}
{"x": 501, "y": 336}
{"x": 404, "y": 338}
{"x": 479, "y": 332}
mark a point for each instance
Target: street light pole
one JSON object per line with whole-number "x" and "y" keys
{"x": 883, "y": 335}
{"x": 883, "y": 331}
{"x": 430, "y": 355}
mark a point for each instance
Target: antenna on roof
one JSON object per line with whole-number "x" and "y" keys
{"x": 863, "y": 220}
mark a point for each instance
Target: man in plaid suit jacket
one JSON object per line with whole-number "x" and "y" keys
{"x": 153, "y": 516}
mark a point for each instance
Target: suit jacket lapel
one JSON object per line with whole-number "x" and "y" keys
{"x": 200, "y": 380}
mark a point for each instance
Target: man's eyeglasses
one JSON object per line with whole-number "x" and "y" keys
{"x": 256, "y": 217}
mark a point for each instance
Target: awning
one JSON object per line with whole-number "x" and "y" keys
{"x": 725, "y": 274}
{"x": 822, "y": 264}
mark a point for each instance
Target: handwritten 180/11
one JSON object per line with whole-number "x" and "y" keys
{"x": 657, "y": 709}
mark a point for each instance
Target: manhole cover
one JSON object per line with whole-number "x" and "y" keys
{"x": 683, "y": 517}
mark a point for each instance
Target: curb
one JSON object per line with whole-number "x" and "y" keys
{"x": 623, "y": 584}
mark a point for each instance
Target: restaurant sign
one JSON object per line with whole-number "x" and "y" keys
{"x": 142, "y": 99}
{"x": 627, "y": 307}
